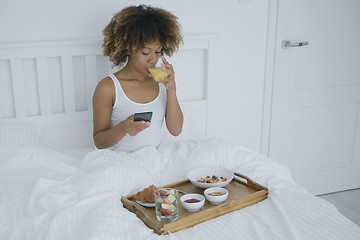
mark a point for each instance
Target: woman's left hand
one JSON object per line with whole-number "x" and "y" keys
{"x": 169, "y": 82}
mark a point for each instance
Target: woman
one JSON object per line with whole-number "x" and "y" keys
{"x": 137, "y": 36}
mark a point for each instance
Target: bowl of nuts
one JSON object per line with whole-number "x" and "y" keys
{"x": 216, "y": 195}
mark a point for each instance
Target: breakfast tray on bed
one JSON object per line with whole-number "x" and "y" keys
{"x": 243, "y": 192}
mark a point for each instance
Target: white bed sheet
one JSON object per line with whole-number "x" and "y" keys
{"x": 45, "y": 194}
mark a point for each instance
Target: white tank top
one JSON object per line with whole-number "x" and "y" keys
{"x": 124, "y": 107}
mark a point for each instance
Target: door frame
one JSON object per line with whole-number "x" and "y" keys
{"x": 271, "y": 41}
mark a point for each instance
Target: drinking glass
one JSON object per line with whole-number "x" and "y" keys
{"x": 166, "y": 204}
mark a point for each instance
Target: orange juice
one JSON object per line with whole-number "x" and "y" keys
{"x": 158, "y": 73}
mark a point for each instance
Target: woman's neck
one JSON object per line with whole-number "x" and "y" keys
{"x": 131, "y": 72}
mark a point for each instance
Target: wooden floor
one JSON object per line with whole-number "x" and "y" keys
{"x": 347, "y": 202}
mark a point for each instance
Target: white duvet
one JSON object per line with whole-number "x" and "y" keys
{"x": 46, "y": 194}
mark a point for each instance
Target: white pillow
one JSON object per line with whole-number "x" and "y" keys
{"x": 19, "y": 133}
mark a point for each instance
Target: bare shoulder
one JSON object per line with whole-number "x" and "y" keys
{"x": 106, "y": 85}
{"x": 105, "y": 90}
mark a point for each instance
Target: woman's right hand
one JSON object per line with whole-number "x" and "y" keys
{"x": 133, "y": 128}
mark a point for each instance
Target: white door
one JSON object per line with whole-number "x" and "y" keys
{"x": 315, "y": 119}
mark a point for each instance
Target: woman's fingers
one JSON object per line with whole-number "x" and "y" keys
{"x": 169, "y": 82}
{"x": 164, "y": 60}
{"x": 133, "y": 128}
{"x": 166, "y": 64}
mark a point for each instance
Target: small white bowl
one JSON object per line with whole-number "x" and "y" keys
{"x": 192, "y": 207}
{"x": 216, "y": 200}
{"x": 195, "y": 174}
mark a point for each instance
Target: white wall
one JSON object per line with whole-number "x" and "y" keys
{"x": 241, "y": 25}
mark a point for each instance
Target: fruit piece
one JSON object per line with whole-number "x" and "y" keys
{"x": 158, "y": 73}
{"x": 168, "y": 207}
{"x": 166, "y": 211}
{"x": 171, "y": 191}
{"x": 162, "y": 195}
{"x": 171, "y": 198}
{"x": 167, "y": 201}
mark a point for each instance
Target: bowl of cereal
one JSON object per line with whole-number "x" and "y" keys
{"x": 216, "y": 195}
{"x": 206, "y": 177}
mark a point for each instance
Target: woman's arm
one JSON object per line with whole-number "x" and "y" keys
{"x": 103, "y": 100}
{"x": 174, "y": 117}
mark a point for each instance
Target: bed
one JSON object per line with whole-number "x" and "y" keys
{"x": 55, "y": 185}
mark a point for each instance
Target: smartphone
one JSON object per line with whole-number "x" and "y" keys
{"x": 143, "y": 116}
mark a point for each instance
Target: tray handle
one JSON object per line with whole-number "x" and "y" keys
{"x": 250, "y": 182}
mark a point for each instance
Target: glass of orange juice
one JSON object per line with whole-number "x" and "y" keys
{"x": 158, "y": 73}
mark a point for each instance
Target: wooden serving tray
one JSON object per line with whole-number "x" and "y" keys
{"x": 243, "y": 192}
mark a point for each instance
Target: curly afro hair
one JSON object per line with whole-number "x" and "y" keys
{"x": 135, "y": 26}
